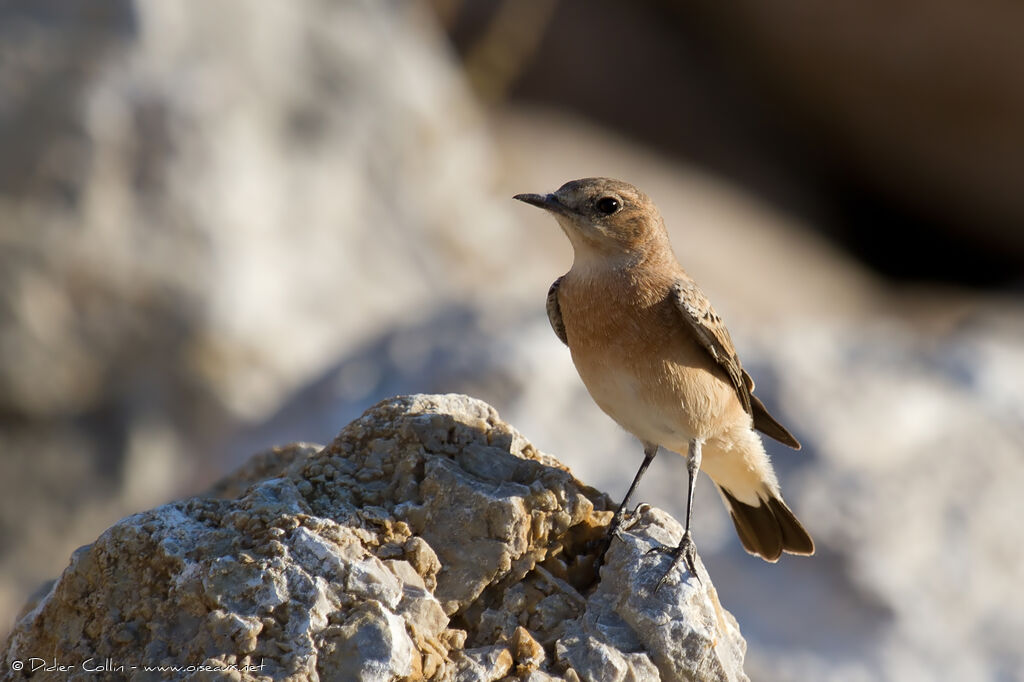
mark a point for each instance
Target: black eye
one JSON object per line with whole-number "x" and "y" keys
{"x": 607, "y": 205}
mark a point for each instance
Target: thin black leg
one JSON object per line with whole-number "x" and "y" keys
{"x": 650, "y": 450}
{"x": 686, "y": 550}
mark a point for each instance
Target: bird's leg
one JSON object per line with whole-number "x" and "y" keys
{"x": 686, "y": 550}
{"x": 650, "y": 450}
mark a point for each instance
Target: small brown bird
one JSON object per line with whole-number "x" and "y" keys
{"x": 656, "y": 357}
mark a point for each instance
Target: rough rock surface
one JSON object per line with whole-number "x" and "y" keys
{"x": 429, "y": 541}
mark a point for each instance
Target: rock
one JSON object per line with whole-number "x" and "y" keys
{"x": 631, "y": 631}
{"x": 430, "y": 540}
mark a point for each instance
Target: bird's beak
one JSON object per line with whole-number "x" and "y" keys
{"x": 546, "y": 201}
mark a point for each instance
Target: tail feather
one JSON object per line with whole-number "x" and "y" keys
{"x": 768, "y": 529}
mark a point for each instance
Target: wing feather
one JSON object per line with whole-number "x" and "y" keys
{"x": 555, "y": 312}
{"x": 707, "y": 326}
{"x": 711, "y": 333}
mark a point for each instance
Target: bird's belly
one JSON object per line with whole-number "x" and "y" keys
{"x": 642, "y": 407}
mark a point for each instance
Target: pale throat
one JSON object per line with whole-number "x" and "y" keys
{"x": 593, "y": 262}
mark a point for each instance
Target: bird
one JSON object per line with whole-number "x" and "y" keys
{"x": 656, "y": 357}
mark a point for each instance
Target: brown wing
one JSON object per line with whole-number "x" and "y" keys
{"x": 555, "y": 312}
{"x": 711, "y": 333}
{"x": 707, "y": 326}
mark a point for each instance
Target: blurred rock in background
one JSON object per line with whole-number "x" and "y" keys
{"x": 225, "y": 227}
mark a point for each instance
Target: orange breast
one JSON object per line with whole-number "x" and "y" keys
{"x": 640, "y": 362}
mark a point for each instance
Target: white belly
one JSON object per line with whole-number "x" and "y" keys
{"x": 619, "y": 394}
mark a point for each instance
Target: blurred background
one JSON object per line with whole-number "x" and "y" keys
{"x": 229, "y": 225}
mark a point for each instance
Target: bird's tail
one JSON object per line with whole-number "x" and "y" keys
{"x": 768, "y": 529}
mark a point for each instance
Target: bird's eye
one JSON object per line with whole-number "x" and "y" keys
{"x": 608, "y": 205}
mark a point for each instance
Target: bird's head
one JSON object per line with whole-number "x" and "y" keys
{"x": 604, "y": 217}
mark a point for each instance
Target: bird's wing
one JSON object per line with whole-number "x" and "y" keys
{"x": 711, "y": 333}
{"x": 555, "y": 312}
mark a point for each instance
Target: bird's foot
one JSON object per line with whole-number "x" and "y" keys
{"x": 685, "y": 552}
{"x": 622, "y": 522}
{"x": 631, "y": 518}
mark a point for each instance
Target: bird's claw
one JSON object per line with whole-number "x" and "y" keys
{"x": 621, "y": 523}
{"x": 621, "y": 528}
{"x": 630, "y": 519}
{"x": 685, "y": 552}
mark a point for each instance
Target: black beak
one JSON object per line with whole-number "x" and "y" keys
{"x": 546, "y": 201}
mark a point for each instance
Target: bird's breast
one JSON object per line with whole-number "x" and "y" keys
{"x": 640, "y": 363}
